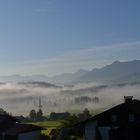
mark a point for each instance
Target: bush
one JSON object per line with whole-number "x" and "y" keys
{"x": 43, "y": 137}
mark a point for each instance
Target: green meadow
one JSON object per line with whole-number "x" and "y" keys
{"x": 49, "y": 125}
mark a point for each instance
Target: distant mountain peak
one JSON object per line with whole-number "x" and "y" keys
{"x": 135, "y": 60}
{"x": 116, "y": 62}
{"x": 115, "y": 72}
{"x": 81, "y": 71}
{"x": 118, "y": 71}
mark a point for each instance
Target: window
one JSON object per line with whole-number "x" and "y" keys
{"x": 114, "y": 118}
{"x": 131, "y": 118}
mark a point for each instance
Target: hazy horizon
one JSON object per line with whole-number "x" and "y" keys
{"x": 55, "y": 36}
{"x": 52, "y": 37}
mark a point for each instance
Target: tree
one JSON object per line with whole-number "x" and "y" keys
{"x": 33, "y": 114}
{"x": 87, "y": 113}
{"x": 44, "y": 137}
{"x": 2, "y": 112}
{"x": 68, "y": 125}
{"x": 39, "y": 114}
{"x": 52, "y": 115}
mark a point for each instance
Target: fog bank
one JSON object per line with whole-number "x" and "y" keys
{"x": 19, "y": 99}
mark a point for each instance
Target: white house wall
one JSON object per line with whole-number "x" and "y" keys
{"x": 29, "y": 136}
{"x": 90, "y": 130}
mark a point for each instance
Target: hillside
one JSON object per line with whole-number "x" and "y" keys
{"x": 116, "y": 72}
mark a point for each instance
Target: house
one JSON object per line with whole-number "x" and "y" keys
{"x": 22, "y": 118}
{"x": 59, "y": 116}
{"x": 12, "y": 129}
{"x": 121, "y": 122}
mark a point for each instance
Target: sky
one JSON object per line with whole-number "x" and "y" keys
{"x": 56, "y": 36}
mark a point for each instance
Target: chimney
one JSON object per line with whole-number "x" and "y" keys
{"x": 128, "y": 99}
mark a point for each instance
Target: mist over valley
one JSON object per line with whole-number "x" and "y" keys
{"x": 96, "y": 90}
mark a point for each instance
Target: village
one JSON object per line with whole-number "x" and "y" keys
{"x": 69, "y": 69}
{"x": 121, "y": 122}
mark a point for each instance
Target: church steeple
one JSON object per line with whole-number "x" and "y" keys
{"x": 40, "y": 105}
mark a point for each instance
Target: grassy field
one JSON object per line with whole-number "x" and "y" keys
{"x": 49, "y": 125}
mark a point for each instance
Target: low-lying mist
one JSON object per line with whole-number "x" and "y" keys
{"x": 19, "y": 99}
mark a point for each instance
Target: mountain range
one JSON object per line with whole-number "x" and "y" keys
{"x": 117, "y": 72}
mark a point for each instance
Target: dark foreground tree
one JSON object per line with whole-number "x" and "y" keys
{"x": 69, "y": 129}
{"x": 44, "y": 137}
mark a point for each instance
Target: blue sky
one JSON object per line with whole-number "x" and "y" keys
{"x": 55, "y": 36}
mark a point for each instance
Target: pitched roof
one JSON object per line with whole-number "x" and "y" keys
{"x": 130, "y": 107}
{"x": 22, "y": 128}
{"x": 8, "y": 118}
{"x": 11, "y": 126}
